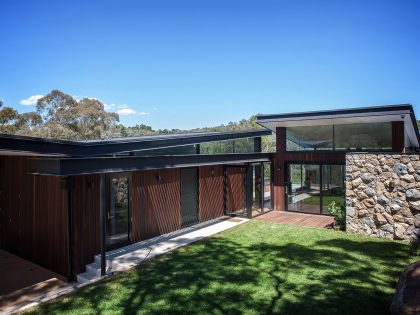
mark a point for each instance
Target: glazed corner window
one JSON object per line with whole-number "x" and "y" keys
{"x": 309, "y": 138}
{"x": 355, "y": 137}
{"x": 347, "y": 137}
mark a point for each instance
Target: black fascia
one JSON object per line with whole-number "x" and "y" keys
{"x": 109, "y": 147}
{"x": 347, "y": 111}
{"x": 98, "y": 165}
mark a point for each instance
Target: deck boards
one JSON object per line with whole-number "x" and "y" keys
{"x": 299, "y": 219}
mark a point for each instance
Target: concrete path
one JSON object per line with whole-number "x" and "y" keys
{"x": 126, "y": 257}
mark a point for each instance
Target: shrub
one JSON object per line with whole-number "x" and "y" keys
{"x": 339, "y": 211}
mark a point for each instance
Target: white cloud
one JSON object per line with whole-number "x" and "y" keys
{"x": 126, "y": 111}
{"x": 31, "y": 100}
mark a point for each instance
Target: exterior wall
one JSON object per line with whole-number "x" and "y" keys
{"x": 235, "y": 190}
{"x": 211, "y": 192}
{"x": 383, "y": 195}
{"x": 282, "y": 158}
{"x": 33, "y": 210}
{"x": 86, "y": 241}
{"x": 156, "y": 204}
{"x": 33, "y": 215}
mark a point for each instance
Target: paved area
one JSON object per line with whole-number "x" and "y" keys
{"x": 22, "y": 280}
{"x": 126, "y": 257}
{"x": 50, "y": 285}
{"x": 300, "y": 219}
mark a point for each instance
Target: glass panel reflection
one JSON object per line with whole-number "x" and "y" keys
{"x": 304, "y": 188}
{"x": 118, "y": 214}
{"x": 333, "y": 187}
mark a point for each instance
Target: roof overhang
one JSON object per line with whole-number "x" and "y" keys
{"x": 17, "y": 145}
{"x": 98, "y": 165}
{"x": 375, "y": 114}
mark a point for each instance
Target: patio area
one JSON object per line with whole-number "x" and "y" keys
{"x": 298, "y": 219}
{"x": 22, "y": 280}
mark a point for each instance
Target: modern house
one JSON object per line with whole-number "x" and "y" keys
{"x": 63, "y": 202}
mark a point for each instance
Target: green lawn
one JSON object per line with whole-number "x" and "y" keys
{"x": 256, "y": 268}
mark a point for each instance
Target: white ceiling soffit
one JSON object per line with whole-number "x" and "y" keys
{"x": 373, "y": 117}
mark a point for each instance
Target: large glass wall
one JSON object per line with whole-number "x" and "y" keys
{"x": 312, "y": 188}
{"x": 309, "y": 138}
{"x": 347, "y": 137}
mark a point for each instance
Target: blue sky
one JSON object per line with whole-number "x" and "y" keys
{"x": 186, "y": 64}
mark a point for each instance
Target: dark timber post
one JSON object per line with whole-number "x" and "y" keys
{"x": 68, "y": 184}
{"x": 248, "y": 190}
{"x": 257, "y": 144}
{"x": 102, "y": 212}
{"x": 224, "y": 189}
{"x": 262, "y": 187}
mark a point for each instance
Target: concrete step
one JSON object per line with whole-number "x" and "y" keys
{"x": 97, "y": 260}
{"x": 95, "y": 269}
{"x": 85, "y": 277}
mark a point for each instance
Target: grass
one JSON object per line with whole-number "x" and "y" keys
{"x": 256, "y": 268}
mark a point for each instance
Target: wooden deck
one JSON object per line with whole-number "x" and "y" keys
{"x": 22, "y": 280}
{"x": 299, "y": 219}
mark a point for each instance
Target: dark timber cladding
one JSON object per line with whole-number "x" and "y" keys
{"x": 235, "y": 189}
{"x": 33, "y": 216}
{"x": 156, "y": 205}
{"x": 210, "y": 192}
{"x": 397, "y": 136}
{"x": 85, "y": 222}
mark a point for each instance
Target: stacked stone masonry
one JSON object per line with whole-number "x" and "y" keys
{"x": 383, "y": 195}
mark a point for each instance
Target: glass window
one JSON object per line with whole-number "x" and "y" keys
{"x": 118, "y": 211}
{"x": 304, "y": 188}
{"x": 216, "y": 147}
{"x": 245, "y": 145}
{"x": 267, "y": 186}
{"x": 304, "y": 193}
{"x": 354, "y": 137}
{"x": 348, "y": 137}
{"x": 257, "y": 186}
{"x": 333, "y": 187}
{"x": 309, "y": 138}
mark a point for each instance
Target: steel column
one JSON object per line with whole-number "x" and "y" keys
{"x": 102, "y": 212}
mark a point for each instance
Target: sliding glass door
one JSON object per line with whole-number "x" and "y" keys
{"x": 312, "y": 188}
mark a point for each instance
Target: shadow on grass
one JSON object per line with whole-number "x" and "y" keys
{"x": 225, "y": 276}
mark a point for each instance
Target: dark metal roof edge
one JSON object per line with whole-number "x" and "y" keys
{"x": 356, "y": 110}
{"x": 90, "y": 165}
{"x": 72, "y": 148}
{"x": 147, "y": 138}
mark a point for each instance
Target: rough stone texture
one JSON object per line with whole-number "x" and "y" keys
{"x": 383, "y": 195}
{"x": 407, "y": 296}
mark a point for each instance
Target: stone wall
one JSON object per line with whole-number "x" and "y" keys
{"x": 383, "y": 195}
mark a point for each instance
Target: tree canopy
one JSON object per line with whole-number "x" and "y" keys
{"x": 61, "y": 116}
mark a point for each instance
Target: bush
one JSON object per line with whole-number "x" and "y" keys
{"x": 339, "y": 211}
